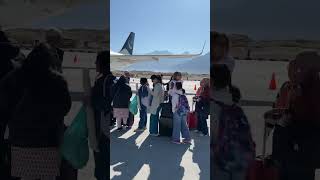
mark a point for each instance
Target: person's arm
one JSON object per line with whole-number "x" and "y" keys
{"x": 187, "y": 102}
{"x": 152, "y": 92}
{"x": 67, "y": 102}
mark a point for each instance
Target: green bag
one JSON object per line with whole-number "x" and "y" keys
{"x": 133, "y": 108}
{"x": 75, "y": 148}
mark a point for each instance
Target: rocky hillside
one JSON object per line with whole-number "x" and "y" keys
{"x": 243, "y": 47}
{"x": 73, "y": 38}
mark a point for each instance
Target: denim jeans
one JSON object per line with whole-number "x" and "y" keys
{"x": 154, "y": 122}
{"x": 202, "y": 123}
{"x": 143, "y": 117}
{"x": 180, "y": 126}
{"x": 102, "y": 159}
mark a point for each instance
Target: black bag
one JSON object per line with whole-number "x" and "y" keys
{"x": 166, "y": 110}
{"x": 165, "y": 126}
{"x": 5, "y": 165}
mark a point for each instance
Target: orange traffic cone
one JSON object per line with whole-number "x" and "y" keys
{"x": 75, "y": 59}
{"x": 195, "y": 87}
{"x": 273, "y": 83}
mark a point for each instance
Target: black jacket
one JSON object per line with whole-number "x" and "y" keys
{"x": 7, "y": 52}
{"x": 121, "y": 95}
{"x": 36, "y": 109}
{"x": 101, "y": 99}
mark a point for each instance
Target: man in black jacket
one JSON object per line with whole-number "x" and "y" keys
{"x": 101, "y": 103}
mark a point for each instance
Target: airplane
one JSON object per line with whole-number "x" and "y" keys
{"x": 17, "y": 13}
{"x": 126, "y": 57}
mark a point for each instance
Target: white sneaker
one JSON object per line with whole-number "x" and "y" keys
{"x": 155, "y": 135}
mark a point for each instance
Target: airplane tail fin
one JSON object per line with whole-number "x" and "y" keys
{"x": 127, "y": 48}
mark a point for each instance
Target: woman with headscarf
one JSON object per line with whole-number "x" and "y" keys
{"x": 121, "y": 94}
{"x": 37, "y": 99}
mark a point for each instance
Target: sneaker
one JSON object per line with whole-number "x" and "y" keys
{"x": 128, "y": 127}
{"x": 201, "y": 134}
{"x": 196, "y": 131}
{"x": 186, "y": 141}
{"x": 176, "y": 142}
{"x": 119, "y": 129}
{"x": 155, "y": 135}
{"x": 139, "y": 130}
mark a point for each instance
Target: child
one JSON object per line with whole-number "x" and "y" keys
{"x": 180, "y": 109}
{"x": 143, "y": 103}
{"x": 177, "y": 77}
{"x": 232, "y": 141}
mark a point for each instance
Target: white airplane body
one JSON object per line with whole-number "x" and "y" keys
{"x": 125, "y": 57}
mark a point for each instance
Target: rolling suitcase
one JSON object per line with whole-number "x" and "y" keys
{"x": 166, "y": 110}
{"x": 264, "y": 167}
{"x": 165, "y": 126}
{"x": 192, "y": 119}
{"x": 166, "y": 118}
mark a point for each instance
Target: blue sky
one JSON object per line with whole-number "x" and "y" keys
{"x": 173, "y": 25}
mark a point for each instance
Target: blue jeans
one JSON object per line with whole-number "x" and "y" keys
{"x": 180, "y": 125}
{"x": 202, "y": 123}
{"x": 154, "y": 122}
{"x": 143, "y": 117}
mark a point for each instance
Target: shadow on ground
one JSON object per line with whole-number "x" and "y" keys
{"x": 143, "y": 157}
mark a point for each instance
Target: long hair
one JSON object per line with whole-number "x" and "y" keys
{"x": 39, "y": 62}
{"x": 103, "y": 63}
{"x": 220, "y": 76}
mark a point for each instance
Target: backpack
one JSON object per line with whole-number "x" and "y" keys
{"x": 304, "y": 96}
{"x": 234, "y": 149}
{"x": 100, "y": 93}
{"x": 183, "y": 107}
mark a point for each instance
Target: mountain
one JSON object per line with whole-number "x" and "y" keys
{"x": 199, "y": 65}
{"x": 163, "y": 52}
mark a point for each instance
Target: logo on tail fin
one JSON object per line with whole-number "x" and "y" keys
{"x": 127, "y": 48}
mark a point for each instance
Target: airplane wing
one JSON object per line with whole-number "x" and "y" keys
{"x": 140, "y": 58}
{"x": 17, "y": 13}
{"x": 121, "y": 61}
{"x": 129, "y": 59}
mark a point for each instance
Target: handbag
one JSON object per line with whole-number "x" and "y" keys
{"x": 75, "y": 147}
